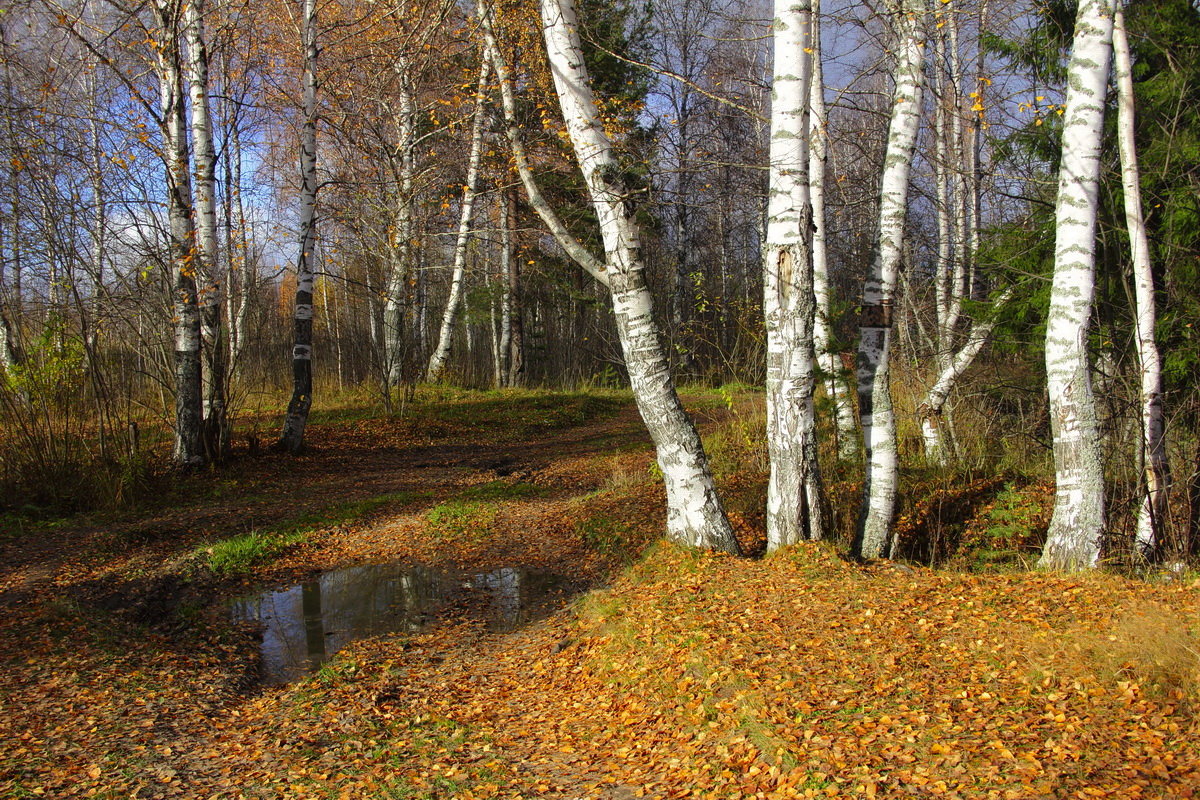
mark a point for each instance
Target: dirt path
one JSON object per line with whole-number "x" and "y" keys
{"x": 116, "y": 680}
{"x": 345, "y": 462}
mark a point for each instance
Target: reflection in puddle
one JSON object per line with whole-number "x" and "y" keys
{"x": 304, "y": 625}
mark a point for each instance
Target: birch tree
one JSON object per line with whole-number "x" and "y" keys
{"x": 789, "y": 304}
{"x": 294, "y": 423}
{"x": 1152, "y": 508}
{"x": 958, "y": 340}
{"x": 836, "y": 387}
{"x": 437, "y": 361}
{"x": 207, "y": 268}
{"x": 189, "y": 413}
{"x": 508, "y": 103}
{"x": 10, "y": 354}
{"x": 512, "y": 333}
{"x": 875, "y": 324}
{"x": 1074, "y": 538}
{"x": 400, "y": 249}
{"x": 695, "y": 516}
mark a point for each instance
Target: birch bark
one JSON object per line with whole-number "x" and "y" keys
{"x": 512, "y": 345}
{"x": 952, "y": 369}
{"x": 216, "y": 427}
{"x": 239, "y": 319}
{"x": 189, "y": 446}
{"x": 789, "y": 303}
{"x": 875, "y": 325}
{"x": 9, "y": 354}
{"x": 836, "y": 386}
{"x": 400, "y": 251}
{"x": 294, "y": 423}
{"x": 437, "y": 361}
{"x": 1077, "y": 525}
{"x": 695, "y": 516}
{"x": 958, "y": 341}
{"x": 1157, "y": 471}
{"x": 577, "y": 252}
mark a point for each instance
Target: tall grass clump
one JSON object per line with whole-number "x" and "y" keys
{"x": 61, "y": 448}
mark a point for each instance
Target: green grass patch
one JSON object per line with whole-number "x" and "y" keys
{"x": 473, "y": 512}
{"x": 524, "y": 413}
{"x": 241, "y": 553}
{"x": 462, "y": 519}
{"x": 502, "y": 490}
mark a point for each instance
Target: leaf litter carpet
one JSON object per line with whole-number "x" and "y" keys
{"x": 676, "y": 675}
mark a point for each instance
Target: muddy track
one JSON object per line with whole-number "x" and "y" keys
{"x": 257, "y": 491}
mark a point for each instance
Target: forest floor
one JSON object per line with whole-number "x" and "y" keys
{"x": 637, "y": 670}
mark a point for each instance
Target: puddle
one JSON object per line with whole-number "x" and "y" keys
{"x": 303, "y": 626}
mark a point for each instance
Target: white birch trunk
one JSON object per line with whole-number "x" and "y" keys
{"x": 9, "y": 355}
{"x": 205, "y": 193}
{"x": 239, "y": 320}
{"x": 1077, "y": 526}
{"x": 875, "y": 326}
{"x": 189, "y": 447}
{"x": 974, "y": 150}
{"x": 695, "y": 516}
{"x": 400, "y": 250}
{"x": 292, "y": 438}
{"x": 100, "y": 221}
{"x": 507, "y": 294}
{"x": 570, "y": 245}
{"x": 958, "y": 185}
{"x": 441, "y": 352}
{"x": 836, "y": 386}
{"x": 957, "y": 241}
{"x": 1157, "y": 471}
{"x": 945, "y": 247}
{"x": 789, "y": 303}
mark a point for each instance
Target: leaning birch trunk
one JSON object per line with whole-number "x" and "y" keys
{"x": 957, "y": 244}
{"x": 695, "y": 516}
{"x": 952, "y": 369}
{"x": 189, "y": 445}
{"x": 216, "y": 427}
{"x": 931, "y": 423}
{"x": 789, "y": 304}
{"x": 1158, "y": 477}
{"x": 437, "y": 361}
{"x": 570, "y": 245}
{"x": 1077, "y": 525}
{"x": 294, "y": 423}
{"x": 874, "y": 391}
{"x": 836, "y": 386}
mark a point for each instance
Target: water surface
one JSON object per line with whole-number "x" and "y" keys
{"x": 305, "y": 624}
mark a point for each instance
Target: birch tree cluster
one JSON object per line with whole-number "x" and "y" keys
{"x": 947, "y": 237}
